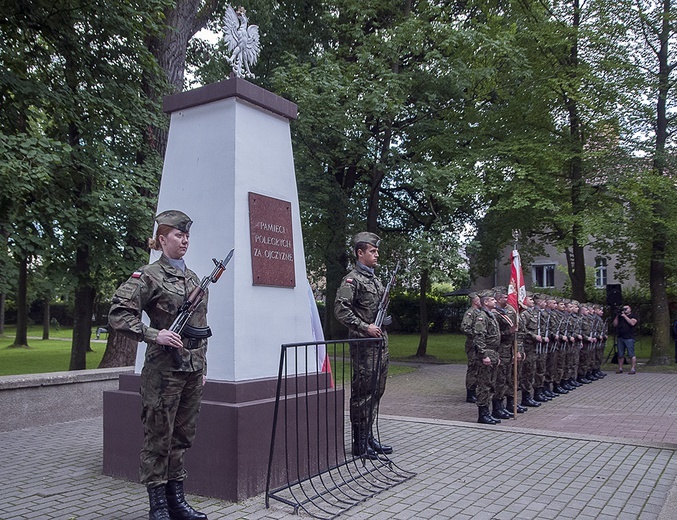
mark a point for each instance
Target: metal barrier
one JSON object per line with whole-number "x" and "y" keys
{"x": 310, "y": 467}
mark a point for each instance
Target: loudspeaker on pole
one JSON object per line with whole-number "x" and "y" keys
{"x": 614, "y": 295}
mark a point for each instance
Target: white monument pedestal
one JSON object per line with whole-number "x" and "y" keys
{"x": 229, "y": 166}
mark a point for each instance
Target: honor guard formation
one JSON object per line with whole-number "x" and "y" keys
{"x": 559, "y": 344}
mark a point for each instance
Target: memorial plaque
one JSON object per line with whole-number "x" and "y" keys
{"x": 272, "y": 241}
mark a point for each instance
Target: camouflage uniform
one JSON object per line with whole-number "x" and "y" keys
{"x": 577, "y": 344}
{"x": 585, "y": 359}
{"x": 527, "y": 333}
{"x": 467, "y": 329}
{"x": 356, "y": 306}
{"x": 170, "y": 394}
{"x": 486, "y": 340}
{"x": 504, "y": 372}
{"x": 600, "y": 333}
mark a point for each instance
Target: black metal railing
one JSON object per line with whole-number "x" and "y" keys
{"x": 312, "y": 465}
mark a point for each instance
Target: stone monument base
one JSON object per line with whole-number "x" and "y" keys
{"x": 229, "y": 459}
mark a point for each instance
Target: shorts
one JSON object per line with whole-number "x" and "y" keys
{"x": 626, "y": 345}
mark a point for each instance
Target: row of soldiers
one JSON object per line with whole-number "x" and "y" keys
{"x": 560, "y": 346}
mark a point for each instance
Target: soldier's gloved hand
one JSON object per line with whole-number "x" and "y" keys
{"x": 387, "y": 320}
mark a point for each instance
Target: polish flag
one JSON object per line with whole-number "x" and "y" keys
{"x": 323, "y": 361}
{"x": 517, "y": 292}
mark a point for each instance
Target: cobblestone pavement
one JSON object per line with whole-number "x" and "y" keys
{"x": 641, "y": 407}
{"x": 582, "y": 456}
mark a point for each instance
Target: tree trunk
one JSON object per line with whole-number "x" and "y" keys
{"x": 423, "y": 312}
{"x": 660, "y": 351}
{"x": 576, "y": 268}
{"x": 21, "y": 338}
{"x": 576, "y": 261}
{"x": 183, "y": 21}
{"x": 45, "y": 318}
{"x": 123, "y": 354}
{"x": 84, "y": 308}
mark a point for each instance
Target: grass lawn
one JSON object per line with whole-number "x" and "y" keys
{"x": 53, "y": 355}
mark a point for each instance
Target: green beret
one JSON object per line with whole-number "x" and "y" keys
{"x": 176, "y": 219}
{"x": 500, "y": 290}
{"x": 368, "y": 238}
{"x": 473, "y": 295}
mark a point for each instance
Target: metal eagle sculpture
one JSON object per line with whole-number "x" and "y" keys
{"x": 243, "y": 42}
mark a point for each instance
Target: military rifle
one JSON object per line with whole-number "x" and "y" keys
{"x": 539, "y": 344}
{"x": 567, "y": 316}
{"x": 385, "y": 299}
{"x": 180, "y": 325}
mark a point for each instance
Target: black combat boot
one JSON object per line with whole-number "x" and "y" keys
{"x": 556, "y": 387}
{"x": 583, "y": 380}
{"x": 484, "y": 417}
{"x": 498, "y": 411}
{"x": 591, "y": 376}
{"x": 549, "y": 393}
{"x": 600, "y": 374}
{"x": 361, "y": 447}
{"x": 158, "y": 503}
{"x": 527, "y": 400}
{"x": 567, "y": 385}
{"x": 179, "y": 509}
{"x": 470, "y": 396}
{"x": 574, "y": 383}
{"x": 356, "y": 440}
{"x": 378, "y": 447}
{"x": 505, "y": 409}
{"x": 540, "y": 396}
{"x": 510, "y": 405}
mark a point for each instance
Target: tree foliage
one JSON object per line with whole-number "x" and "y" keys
{"x": 420, "y": 121}
{"x": 73, "y": 125}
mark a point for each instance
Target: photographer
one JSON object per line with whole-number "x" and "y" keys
{"x": 626, "y": 325}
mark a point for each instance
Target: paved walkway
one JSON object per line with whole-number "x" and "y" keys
{"x": 582, "y": 456}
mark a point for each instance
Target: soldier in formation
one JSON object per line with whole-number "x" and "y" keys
{"x": 560, "y": 347}
{"x": 486, "y": 343}
{"x": 467, "y": 328}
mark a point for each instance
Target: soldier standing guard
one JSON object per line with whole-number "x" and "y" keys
{"x": 356, "y": 307}
{"x": 171, "y": 385}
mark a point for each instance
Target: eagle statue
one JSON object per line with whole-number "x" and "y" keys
{"x": 243, "y": 42}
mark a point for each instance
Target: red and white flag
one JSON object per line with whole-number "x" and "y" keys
{"x": 323, "y": 361}
{"x": 517, "y": 293}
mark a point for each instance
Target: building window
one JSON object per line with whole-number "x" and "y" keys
{"x": 600, "y": 272}
{"x": 543, "y": 275}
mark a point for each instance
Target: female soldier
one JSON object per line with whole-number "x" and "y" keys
{"x": 171, "y": 385}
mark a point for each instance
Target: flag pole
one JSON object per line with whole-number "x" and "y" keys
{"x": 515, "y": 236}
